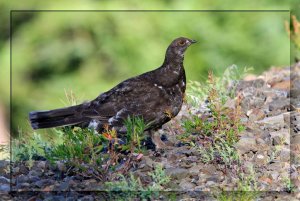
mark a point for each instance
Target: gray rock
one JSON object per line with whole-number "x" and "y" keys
{"x": 64, "y": 186}
{"x": 42, "y": 165}
{"x": 274, "y": 175}
{"x": 194, "y": 170}
{"x": 280, "y": 137}
{"x": 22, "y": 178}
{"x": 177, "y": 173}
{"x": 275, "y": 166}
{"x": 25, "y": 185}
{"x": 285, "y": 155}
{"x": 61, "y": 166}
{"x": 149, "y": 162}
{"x": 4, "y": 180}
{"x": 260, "y": 141}
{"x": 215, "y": 178}
{"x": 246, "y": 144}
{"x": 36, "y": 173}
{"x": 261, "y": 159}
{"x": 33, "y": 179}
{"x": 199, "y": 188}
{"x": 279, "y": 119}
{"x": 279, "y": 104}
{"x": 16, "y": 170}
{"x": 4, "y": 188}
{"x": 44, "y": 182}
{"x": 210, "y": 183}
{"x": 87, "y": 198}
{"x": 186, "y": 185}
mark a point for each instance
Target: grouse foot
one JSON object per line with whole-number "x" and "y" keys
{"x": 159, "y": 144}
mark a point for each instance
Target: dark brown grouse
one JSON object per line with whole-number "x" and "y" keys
{"x": 155, "y": 96}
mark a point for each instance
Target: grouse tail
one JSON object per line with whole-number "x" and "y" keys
{"x": 55, "y": 118}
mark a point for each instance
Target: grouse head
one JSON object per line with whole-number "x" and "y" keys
{"x": 176, "y": 49}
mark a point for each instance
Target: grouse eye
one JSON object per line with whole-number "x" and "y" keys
{"x": 181, "y": 42}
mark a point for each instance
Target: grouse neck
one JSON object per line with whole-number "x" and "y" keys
{"x": 173, "y": 59}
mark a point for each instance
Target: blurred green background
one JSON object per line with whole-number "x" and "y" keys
{"x": 90, "y": 52}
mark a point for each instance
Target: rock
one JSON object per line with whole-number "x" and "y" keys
{"x": 215, "y": 178}
{"x": 257, "y": 102}
{"x": 274, "y": 175}
{"x": 61, "y": 166}
{"x": 260, "y": 141}
{"x": 256, "y": 114}
{"x": 36, "y": 173}
{"x": 64, "y": 186}
{"x": 23, "y": 169}
{"x": 283, "y": 85}
{"x": 194, "y": 170}
{"x": 22, "y": 178}
{"x": 210, "y": 183}
{"x": 276, "y": 166}
{"x": 279, "y": 119}
{"x": 25, "y": 185}
{"x": 4, "y": 180}
{"x": 58, "y": 198}
{"x": 261, "y": 159}
{"x": 285, "y": 155}
{"x": 16, "y": 170}
{"x": 199, "y": 188}
{"x": 177, "y": 173}
{"x": 208, "y": 170}
{"x": 149, "y": 162}
{"x": 87, "y": 198}
{"x": 296, "y": 139}
{"x": 4, "y": 188}
{"x": 186, "y": 185}
{"x": 280, "y": 137}
{"x": 44, "y": 182}
{"x": 246, "y": 144}
{"x": 33, "y": 179}
{"x": 279, "y": 104}
{"x": 42, "y": 165}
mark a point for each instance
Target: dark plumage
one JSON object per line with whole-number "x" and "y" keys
{"x": 156, "y": 96}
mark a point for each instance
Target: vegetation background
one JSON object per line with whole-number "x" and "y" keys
{"x": 90, "y": 52}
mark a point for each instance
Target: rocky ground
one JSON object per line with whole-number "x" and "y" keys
{"x": 270, "y": 145}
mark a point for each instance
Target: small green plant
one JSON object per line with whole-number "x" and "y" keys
{"x": 247, "y": 189}
{"x": 28, "y": 148}
{"x": 247, "y": 182}
{"x": 79, "y": 145}
{"x": 225, "y": 86}
{"x": 220, "y": 152}
{"x": 135, "y": 127}
{"x": 289, "y": 186}
{"x": 237, "y": 196}
{"x": 4, "y": 152}
{"x": 131, "y": 188}
{"x": 224, "y": 122}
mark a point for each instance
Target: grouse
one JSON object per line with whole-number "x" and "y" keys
{"x": 155, "y": 96}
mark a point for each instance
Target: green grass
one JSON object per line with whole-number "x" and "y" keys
{"x": 220, "y": 153}
{"x": 131, "y": 188}
{"x": 135, "y": 133}
{"x": 215, "y": 135}
{"x": 247, "y": 189}
{"x": 81, "y": 145}
{"x": 224, "y": 122}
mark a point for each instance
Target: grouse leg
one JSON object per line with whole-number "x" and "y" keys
{"x": 155, "y": 137}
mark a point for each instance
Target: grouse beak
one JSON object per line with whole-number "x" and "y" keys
{"x": 192, "y": 42}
